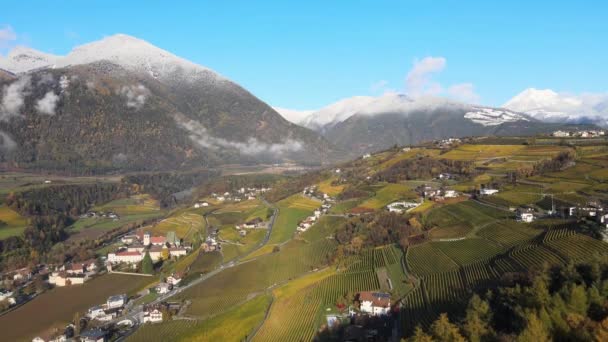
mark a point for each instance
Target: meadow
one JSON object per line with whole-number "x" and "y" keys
{"x": 11, "y": 222}
{"x": 292, "y": 210}
{"x": 387, "y": 194}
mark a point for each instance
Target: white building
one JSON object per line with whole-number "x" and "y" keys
{"x": 63, "y": 279}
{"x": 375, "y": 303}
{"x": 117, "y": 301}
{"x": 95, "y": 312}
{"x": 126, "y": 257}
{"x": 153, "y": 316}
{"x": 526, "y": 217}
{"x": 488, "y": 192}
{"x": 450, "y": 194}
{"x": 163, "y": 288}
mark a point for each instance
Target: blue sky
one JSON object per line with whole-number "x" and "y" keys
{"x": 309, "y": 54}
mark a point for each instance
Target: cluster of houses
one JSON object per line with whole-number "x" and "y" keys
{"x": 579, "y": 134}
{"x": 75, "y": 273}
{"x": 158, "y": 247}
{"x": 256, "y": 223}
{"x": 108, "y": 310}
{"x": 101, "y": 214}
{"x": 437, "y": 194}
{"x": 310, "y": 191}
{"x": 240, "y": 195}
{"x": 447, "y": 143}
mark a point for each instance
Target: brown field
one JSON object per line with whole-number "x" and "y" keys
{"x": 58, "y": 306}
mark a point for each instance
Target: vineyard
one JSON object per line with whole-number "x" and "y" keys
{"x": 443, "y": 288}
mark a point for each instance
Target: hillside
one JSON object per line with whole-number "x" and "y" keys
{"x": 123, "y": 104}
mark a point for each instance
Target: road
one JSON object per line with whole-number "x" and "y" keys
{"x": 135, "y": 313}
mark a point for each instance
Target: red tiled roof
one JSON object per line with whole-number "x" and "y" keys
{"x": 377, "y": 298}
{"x": 157, "y": 239}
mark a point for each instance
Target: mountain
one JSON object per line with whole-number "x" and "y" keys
{"x": 368, "y": 124}
{"x": 550, "y": 106}
{"x": 124, "y": 104}
{"x": 327, "y": 117}
{"x": 293, "y": 115}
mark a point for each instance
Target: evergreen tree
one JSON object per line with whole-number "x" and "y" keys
{"x": 147, "y": 266}
{"x": 478, "y": 318}
{"x": 443, "y": 330}
{"x": 534, "y": 331}
{"x": 420, "y": 336}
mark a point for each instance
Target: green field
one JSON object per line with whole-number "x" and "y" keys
{"x": 292, "y": 210}
{"x": 236, "y": 324}
{"x": 136, "y": 204}
{"x": 12, "y": 224}
{"x": 387, "y": 194}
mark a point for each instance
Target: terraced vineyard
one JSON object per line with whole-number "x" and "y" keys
{"x": 300, "y": 315}
{"x": 468, "y": 250}
{"x": 425, "y": 259}
{"x": 535, "y": 256}
{"x": 508, "y": 234}
{"x": 577, "y": 248}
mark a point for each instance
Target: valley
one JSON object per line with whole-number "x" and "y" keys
{"x": 464, "y": 234}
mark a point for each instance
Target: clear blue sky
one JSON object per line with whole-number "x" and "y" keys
{"x": 306, "y": 55}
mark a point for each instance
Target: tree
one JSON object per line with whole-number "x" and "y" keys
{"x": 478, "y": 317}
{"x": 577, "y": 300}
{"x": 443, "y": 330}
{"x": 420, "y": 336}
{"x": 147, "y": 266}
{"x": 534, "y": 331}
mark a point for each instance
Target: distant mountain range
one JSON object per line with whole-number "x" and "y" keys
{"x": 123, "y": 104}
{"x": 364, "y": 124}
{"x": 550, "y": 106}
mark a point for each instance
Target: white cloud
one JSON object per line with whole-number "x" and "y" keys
{"x": 7, "y": 37}
{"x": 420, "y": 82}
{"x": 463, "y": 92}
{"x": 47, "y": 104}
{"x": 200, "y": 135}
{"x": 13, "y": 97}
{"x": 552, "y": 106}
{"x": 136, "y": 95}
{"x": 419, "y": 79}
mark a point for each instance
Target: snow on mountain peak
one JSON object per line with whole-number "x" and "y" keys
{"x": 127, "y": 51}
{"x": 337, "y": 112}
{"x": 548, "y": 105}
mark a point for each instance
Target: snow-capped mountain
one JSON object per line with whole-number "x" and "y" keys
{"x": 550, "y": 106}
{"x": 336, "y": 112}
{"x": 293, "y": 115}
{"x": 392, "y": 103}
{"x": 123, "y": 103}
{"x": 129, "y": 52}
{"x": 367, "y": 124}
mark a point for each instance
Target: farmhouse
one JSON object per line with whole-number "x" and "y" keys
{"x": 63, "y": 278}
{"x": 450, "y": 194}
{"x": 174, "y": 279}
{"x": 375, "y": 303}
{"x": 525, "y": 216}
{"x": 94, "y": 335}
{"x": 95, "y": 312}
{"x": 152, "y": 315}
{"x": 163, "y": 288}
{"x": 177, "y": 252}
{"x": 117, "y": 301}
{"x": 488, "y": 191}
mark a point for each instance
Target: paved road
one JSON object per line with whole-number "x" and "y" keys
{"x": 135, "y": 313}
